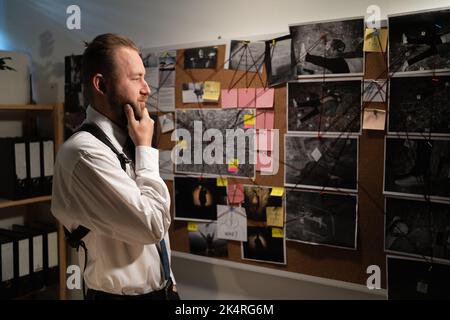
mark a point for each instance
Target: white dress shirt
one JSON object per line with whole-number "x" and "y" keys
{"x": 128, "y": 213}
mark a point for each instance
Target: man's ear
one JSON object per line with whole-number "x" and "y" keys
{"x": 99, "y": 83}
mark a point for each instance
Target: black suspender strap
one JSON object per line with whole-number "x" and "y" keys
{"x": 100, "y": 135}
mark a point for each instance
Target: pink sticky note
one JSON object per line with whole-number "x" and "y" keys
{"x": 246, "y": 97}
{"x": 229, "y": 98}
{"x": 235, "y": 193}
{"x": 265, "y": 120}
{"x": 264, "y": 97}
{"x": 264, "y": 139}
{"x": 264, "y": 161}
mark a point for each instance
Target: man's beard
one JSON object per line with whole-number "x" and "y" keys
{"x": 118, "y": 102}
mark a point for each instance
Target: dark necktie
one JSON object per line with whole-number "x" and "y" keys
{"x": 164, "y": 259}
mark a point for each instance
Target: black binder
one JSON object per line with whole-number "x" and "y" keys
{"x": 34, "y": 167}
{"x": 47, "y": 162}
{"x": 51, "y": 254}
{"x": 6, "y": 268}
{"x": 14, "y": 183}
{"x": 37, "y": 245}
{"x": 21, "y": 251}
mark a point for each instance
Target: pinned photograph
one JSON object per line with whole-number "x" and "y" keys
{"x": 329, "y": 48}
{"x": 264, "y": 244}
{"x": 417, "y": 279}
{"x": 217, "y": 142}
{"x": 245, "y": 55}
{"x": 256, "y": 201}
{"x": 375, "y": 90}
{"x": 279, "y": 61}
{"x": 418, "y": 167}
{"x": 167, "y": 60}
{"x": 419, "y": 105}
{"x": 165, "y": 164}
{"x": 330, "y": 106}
{"x": 200, "y": 58}
{"x": 166, "y": 122}
{"x": 322, "y": 218}
{"x": 419, "y": 41}
{"x": 324, "y": 164}
{"x": 192, "y": 92}
{"x": 203, "y": 241}
{"x": 74, "y": 104}
{"x": 196, "y": 199}
{"x": 417, "y": 227}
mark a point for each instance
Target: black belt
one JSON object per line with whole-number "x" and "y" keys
{"x": 165, "y": 293}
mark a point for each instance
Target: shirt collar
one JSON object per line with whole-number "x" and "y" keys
{"x": 116, "y": 134}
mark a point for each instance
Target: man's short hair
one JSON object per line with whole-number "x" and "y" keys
{"x": 98, "y": 57}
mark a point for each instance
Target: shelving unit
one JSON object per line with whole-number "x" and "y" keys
{"x": 57, "y": 113}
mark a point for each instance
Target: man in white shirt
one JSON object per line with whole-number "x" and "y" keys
{"x": 126, "y": 209}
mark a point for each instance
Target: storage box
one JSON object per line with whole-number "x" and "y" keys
{"x": 14, "y": 78}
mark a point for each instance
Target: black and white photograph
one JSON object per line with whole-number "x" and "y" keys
{"x": 419, "y": 41}
{"x": 74, "y": 105}
{"x": 257, "y": 199}
{"x": 417, "y": 227}
{"x": 321, "y": 163}
{"x": 417, "y": 279}
{"x": 73, "y": 100}
{"x": 322, "y": 218}
{"x": 324, "y": 106}
{"x": 245, "y": 55}
{"x": 279, "y": 61}
{"x": 329, "y": 48}
{"x": 150, "y": 58}
{"x": 204, "y": 241}
{"x": 418, "y": 167}
{"x": 167, "y": 60}
{"x": 196, "y": 199}
{"x": 262, "y": 246}
{"x": 208, "y": 134}
{"x": 192, "y": 92}
{"x": 200, "y": 58}
{"x": 419, "y": 105}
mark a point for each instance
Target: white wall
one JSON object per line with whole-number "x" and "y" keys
{"x": 39, "y": 27}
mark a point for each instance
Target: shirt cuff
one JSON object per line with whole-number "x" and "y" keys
{"x": 147, "y": 158}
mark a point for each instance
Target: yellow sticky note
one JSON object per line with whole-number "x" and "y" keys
{"x": 233, "y": 165}
{"x": 192, "y": 227}
{"x": 249, "y": 120}
{"x": 211, "y": 91}
{"x": 182, "y": 144}
{"x": 275, "y": 216}
{"x": 222, "y": 182}
{"x": 277, "y": 192}
{"x": 277, "y": 233}
{"x": 373, "y": 38}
